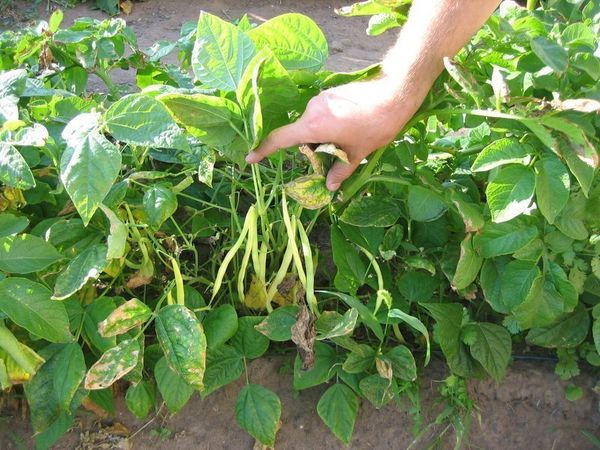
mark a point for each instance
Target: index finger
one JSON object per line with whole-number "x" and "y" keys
{"x": 286, "y": 136}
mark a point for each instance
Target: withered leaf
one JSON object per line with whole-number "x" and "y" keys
{"x": 303, "y": 335}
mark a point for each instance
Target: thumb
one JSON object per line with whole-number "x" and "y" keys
{"x": 338, "y": 173}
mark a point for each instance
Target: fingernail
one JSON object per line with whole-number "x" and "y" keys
{"x": 251, "y": 158}
{"x": 333, "y": 186}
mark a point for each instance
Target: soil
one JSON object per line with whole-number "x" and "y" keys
{"x": 528, "y": 410}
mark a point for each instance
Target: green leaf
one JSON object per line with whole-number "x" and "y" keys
{"x": 469, "y": 212}
{"x": 338, "y": 408}
{"x": 89, "y": 166}
{"x": 417, "y": 286}
{"x": 258, "y": 411}
{"x": 415, "y": 323}
{"x": 372, "y": 211}
{"x": 490, "y": 281}
{"x": 25, "y": 358}
{"x": 127, "y": 316}
{"x": 402, "y": 362}
{"x": 376, "y": 390}
{"x": 497, "y": 239}
{"x": 424, "y": 205}
{"x": 571, "y": 221}
{"x": 321, "y": 372}
{"x": 14, "y": 171}
{"x": 224, "y": 365}
{"x": 159, "y": 204}
{"x": 551, "y": 54}
{"x": 139, "y": 119}
{"x": 26, "y": 253}
{"x": 380, "y": 23}
{"x": 351, "y": 270}
{"x": 96, "y": 312}
{"x": 182, "y": 339}
{"x": 173, "y": 388}
{"x": 336, "y": 325}
{"x": 211, "y": 119}
{"x": 113, "y": 365}
{"x": 582, "y": 160}
{"x": 516, "y": 280}
{"x": 468, "y": 266}
{"x": 221, "y": 53}
{"x": 117, "y": 239}
{"x": 86, "y": 266}
{"x": 501, "y": 152}
{"x": 542, "y": 306}
{"x": 310, "y": 191}
{"x": 249, "y": 342}
{"x": 277, "y": 326}
{"x": 28, "y": 304}
{"x": 366, "y": 315}
{"x": 220, "y": 325}
{"x": 70, "y": 371}
{"x": 596, "y": 334}
{"x": 11, "y": 224}
{"x": 491, "y": 345}
{"x": 296, "y": 41}
{"x": 568, "y": 332}
{"x": 140, "y": 399}
{"x": 552, "y": 186}
{"x": 267, "y": 94}
{"x": 509, "y": 193}
{"x": 448, "y": 317}
{"x": 360, "y": 359}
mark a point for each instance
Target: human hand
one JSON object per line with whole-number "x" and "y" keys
{"x": 359, "y": 118}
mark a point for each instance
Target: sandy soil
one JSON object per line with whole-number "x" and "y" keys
{"x": 527, "y": 411}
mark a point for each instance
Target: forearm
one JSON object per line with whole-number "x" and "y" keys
{"x": 434, "y": 29}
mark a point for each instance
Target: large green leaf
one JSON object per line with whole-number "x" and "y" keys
{"x": 267, "y": 85}
{"x": 182, "y": 339}
{"x": 89, "y": 166}
{"x": 221, "y": 53}
{"x": 258, "y": 411}
{"x": 468, "y": 266}
{"x": 582, "y": 159}
{"x": 568, "y": 332}
{"x": 372, "y": 211}
{"x": 509, "y": 193}
{"x": 351, "y": 270}
{"x": 84, "y": 267}
{"x": 360, "y": 359}
{"x": 551, "y": 54}
{"x": 139, "y": 119}
{"x": 322, "y": 370}
{"x": 13, "y": 351}
{"x": 497, "y": 239}
{"x": 140, "y": 399}
{"x": 447, "y": 332}
{"x": 160, "y": 203}
{"x": 295, "y": 40}
{"x": 277, "y": 326}
{"x": 402, "y": 362}
{"x": 173, "y": 388}
{"x": 220, "y": 325}
{"x": 424, "y": 205}
{"x": 249, "y": 342}
{"x": 501, "y": 152}
{"x": 11, "y": 224}
{"x": 29, "y": 305}
{"x": 26, "y": 253}
{"x": 224, "y": 365}
{"x": 491, "y": 345}
{"x": 211, "y": 119}
{"x": 516, "y": 280}
{"x": 14, "y": 171}
{"x": 113, "y": 365}
{"x": 552, "y": 186}
{"x": 70, "y": 372}
{"x": 377, "y": 390}
{"x": 338, "y": 408}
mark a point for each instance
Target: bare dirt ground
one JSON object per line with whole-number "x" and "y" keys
{"x": 528, "y": 410}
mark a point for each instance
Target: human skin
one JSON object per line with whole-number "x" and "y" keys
{"x": 363, "y": 116}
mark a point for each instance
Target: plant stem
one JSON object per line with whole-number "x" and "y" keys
{"x": 531, "y": 4}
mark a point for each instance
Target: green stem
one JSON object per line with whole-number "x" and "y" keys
{"x": 531, "y": 4}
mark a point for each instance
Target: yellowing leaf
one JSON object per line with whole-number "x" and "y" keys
{"x": 310, "y": 191}
{"x": 113, "y": 365}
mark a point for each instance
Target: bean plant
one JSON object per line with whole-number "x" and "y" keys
{"x": 138, "y": 248}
